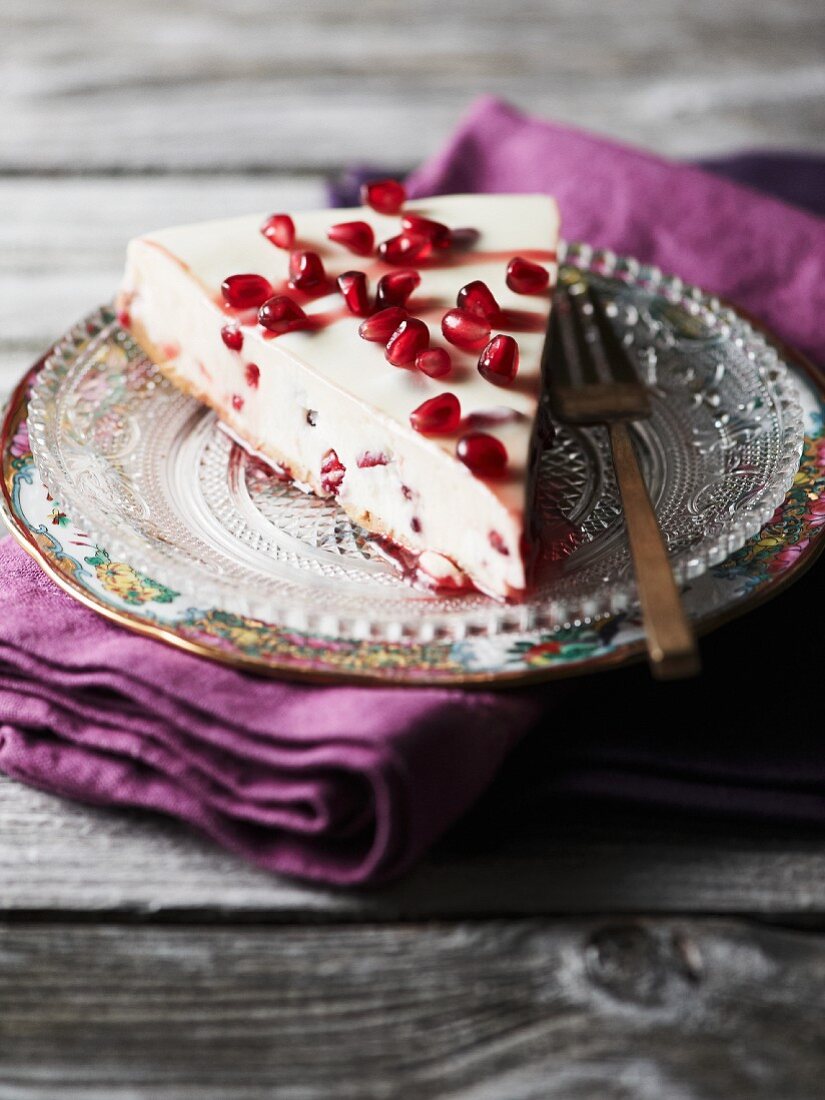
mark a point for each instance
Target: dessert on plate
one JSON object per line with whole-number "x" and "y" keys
{"x": 387, "y": 356}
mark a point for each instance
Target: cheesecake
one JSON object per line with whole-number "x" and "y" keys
{"x": 388, "y": 356}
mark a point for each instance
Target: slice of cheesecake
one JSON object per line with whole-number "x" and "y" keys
{"x": 388, "y": 356}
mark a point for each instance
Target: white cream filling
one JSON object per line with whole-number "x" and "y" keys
{"x": 361, "y": 403}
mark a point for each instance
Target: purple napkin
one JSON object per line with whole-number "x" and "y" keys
{"x": 350, "y": 785}
{"x": 335, "y": 783}
{"x": 766, "y": 256}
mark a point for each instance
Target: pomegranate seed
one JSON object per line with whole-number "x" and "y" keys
{"x": 439, "y": 234}
{"x": 438, "y": 416}
{"x": 280, "y": 314}
{"x": 498, "y": 363}
{"x": 280, "y": 230}
{"x": 465, "y": 330}
{"x": 237, "y": 402}
{"x": 380, "y": 327}
{"x": 367, "y": 459}
{"x": 525, "y": 277}
{"x": 405, "y": 248}
{"x": 483, "y": 454}
{"x": 395, "y": 288}
{"x": 415, "y": 525}
{"x": 406, "y": 492}
{"x": 435, "y": 362}
{"x": 491, "y": 418}
{"x": 464, "y": 237}
{"x": 124, "y": 318}
{"x": 306, "y": 271}
{"x": 385, "y": 196}
{"x": 358, "y": 237}
{"x": 252, "y": 374}
{"x": 232, "y": 337}
{"x": 477, "y": 298}
{"x": 332, "y": 473}
{"x": 498, "y": 544}
{"x": 411, "y": 337}
{"x": 245, "y": 291}
{"x": 353, "y": 285}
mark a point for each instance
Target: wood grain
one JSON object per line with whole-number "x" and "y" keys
{"x": 57, "y": 856}
{"x": 63, "y": 242}
{"x": 637, "y": 1010}
{"x": 204, "y": 86}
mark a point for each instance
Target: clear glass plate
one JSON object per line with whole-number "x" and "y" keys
{"x": 150, "y": 473}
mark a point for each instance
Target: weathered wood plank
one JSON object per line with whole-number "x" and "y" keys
{"x": 62, "y": 247}
{"x": 523, "y": 1009}
{"x": 59, "y": 856}
{"x": 63, "y": 242}
{"x": 203, "y": 85}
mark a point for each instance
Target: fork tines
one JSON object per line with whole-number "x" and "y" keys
{"x": 589, "y": 373}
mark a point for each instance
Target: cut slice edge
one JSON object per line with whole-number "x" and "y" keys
{"x": 326, "y": 405}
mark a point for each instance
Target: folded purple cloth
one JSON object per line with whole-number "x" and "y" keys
{"x": 766, "y": 256}
{"x": 334, "y": 783}
{"x": 350, "y": 785}
{"x": 798, "y": 178}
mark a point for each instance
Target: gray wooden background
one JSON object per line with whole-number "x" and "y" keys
{"x": 571, "y": 959}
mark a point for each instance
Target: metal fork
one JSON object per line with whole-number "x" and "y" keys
{"x": 591, "y": 379}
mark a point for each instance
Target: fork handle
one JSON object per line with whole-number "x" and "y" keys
{"x": 671, "y": 646}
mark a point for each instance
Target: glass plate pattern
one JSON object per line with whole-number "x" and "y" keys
{"x": 150, "y": 473}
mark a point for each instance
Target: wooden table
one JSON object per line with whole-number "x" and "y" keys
{"x": 592, "y": 956}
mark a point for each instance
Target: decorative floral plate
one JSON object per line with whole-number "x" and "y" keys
{"x": 156, "y": 518}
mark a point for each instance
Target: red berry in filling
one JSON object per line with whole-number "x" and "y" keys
{"x": 245, "y": 291}
{"x": 280, "y": 314}
{"x": 380, "y": 327}
{"x": 465, "y": 330}
{"x": 123, "y": 318}
{"x": 232, "y": 337}
{"x": 411, "y": 337}
{"x": 358, "y": 237}
{"x": 332, "y": 473}
{"x": 477, "y": 298}
{"x": 498, "y": 544}
{"x": 280, "y": 230}
{"x": 439, "y": 416}
{"x": 353, "y": 285}
{"x": 237, "y": 402}
{"x": 483, "y": 454}
{"x": 435, "y": 362}
{"x": 385, "y": 196}
{"x": 395, "y": 288}
{"x": 367, "y": 459}
{"x": 406, "y": 248}
{"x": 306, "y": 270}
{"x": 252, "y": 374}
{"x": 439, "y": 234}
{"x": 525, "y": 277}
{"x": 498, "y": 363}
{"x": 415, "y": 525}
